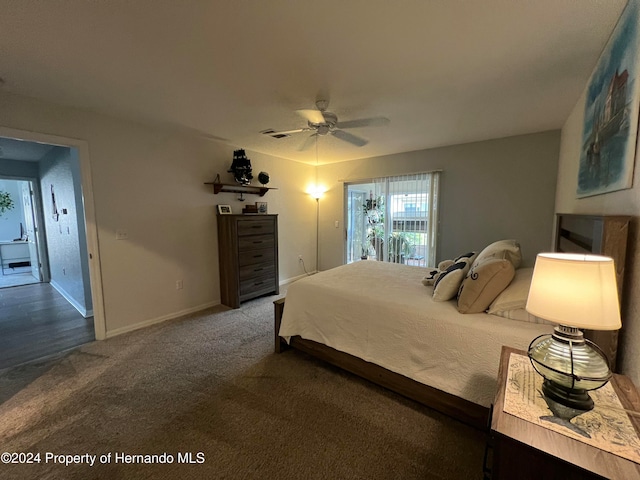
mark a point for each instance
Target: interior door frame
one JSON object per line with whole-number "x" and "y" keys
{"x": 370, "y": 183}
{"x": 35, "y": 212}
{"x": 95, "y": 272}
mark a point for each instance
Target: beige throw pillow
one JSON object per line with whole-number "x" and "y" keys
{"x": 509, "y": 249}
{"x": 483, "y": 284}
{"x": 447, "y": 285}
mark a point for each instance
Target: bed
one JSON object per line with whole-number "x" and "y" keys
{"x": 379, "y": 321}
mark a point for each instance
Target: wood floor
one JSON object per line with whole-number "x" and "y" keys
{"x": 36, "y": 321}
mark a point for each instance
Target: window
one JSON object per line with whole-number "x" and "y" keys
{"x": 393, "y": 219}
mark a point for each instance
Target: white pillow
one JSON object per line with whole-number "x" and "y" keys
{"x": 515, "y": 295}
{"x": 522, "y": 315}
{"x": 446, "y": 286}
{"x": 509, "y": 249}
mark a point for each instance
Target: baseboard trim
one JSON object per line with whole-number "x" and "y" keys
{"x": 182, "y": 313}
{"x": 82, "y": 309}
{"x": 163, "y": 318}
{"x": 293, "y": 279}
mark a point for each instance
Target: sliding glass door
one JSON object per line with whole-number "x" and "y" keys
{"x": 393, "y": 219}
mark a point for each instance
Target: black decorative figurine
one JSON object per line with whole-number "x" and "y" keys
{"x": 241, "y": 168}
{"x": 263, "y": 178}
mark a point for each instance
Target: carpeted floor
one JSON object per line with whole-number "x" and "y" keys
{"x": 210, "y": 385}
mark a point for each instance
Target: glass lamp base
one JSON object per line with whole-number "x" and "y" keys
{"x": 571, "y": 398}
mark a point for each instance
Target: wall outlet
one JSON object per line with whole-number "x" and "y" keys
{"x": 299, "y": 258}
{"x": 179, "y": 285}
{"x": 122, "y": 234}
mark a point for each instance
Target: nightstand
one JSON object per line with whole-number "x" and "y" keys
{"x": 523, "y": 450}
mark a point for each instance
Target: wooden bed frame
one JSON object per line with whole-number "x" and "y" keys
{"x": 606, "y": 235}
{"x": 602, "y": 235}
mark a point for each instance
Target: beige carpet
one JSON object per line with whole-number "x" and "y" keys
{"x": 210, "y": 383}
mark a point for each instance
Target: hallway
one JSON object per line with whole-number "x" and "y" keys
{"x": 36, "y": 321}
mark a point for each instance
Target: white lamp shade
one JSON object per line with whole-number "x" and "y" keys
{"x": 575, "y": 290}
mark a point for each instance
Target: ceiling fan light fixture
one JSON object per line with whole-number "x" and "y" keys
{"x": 321, "y": 122}
{"x": 323, "y": 129}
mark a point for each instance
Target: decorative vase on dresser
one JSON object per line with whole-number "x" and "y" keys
{"x": 248, "y": 257}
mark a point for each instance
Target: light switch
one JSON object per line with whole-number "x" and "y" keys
{"x": 336, "y": 223}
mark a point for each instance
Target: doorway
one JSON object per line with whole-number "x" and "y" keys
{"x": 21, "y": 255}
{"x": 58, "y": 231}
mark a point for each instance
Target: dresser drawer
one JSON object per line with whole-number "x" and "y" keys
{"x": 252, "y": 242}
{"x": 265, "y": 283}
{"x": 257, "y": 270}
{"x": 252, "y": 257}
{"x": 255, "y": 227}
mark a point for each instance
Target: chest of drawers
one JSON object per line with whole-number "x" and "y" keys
{"x": 248, "y": 257}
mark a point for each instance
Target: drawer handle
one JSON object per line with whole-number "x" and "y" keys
{"x": 258, "y": 256}
{"x": 256, "y": 226}
{"x": 258, "y": 283}
{"x": 258, "y": 241}
{"x": 258, "y": 269}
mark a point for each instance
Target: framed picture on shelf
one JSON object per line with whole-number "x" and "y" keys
{"x": 224, "y": 209}
{"x": 262, "y": 207}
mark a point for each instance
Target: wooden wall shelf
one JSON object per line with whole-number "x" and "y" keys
{"x": 236, "y": 188}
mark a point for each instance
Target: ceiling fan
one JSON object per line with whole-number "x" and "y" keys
{"x": 322, "y": 122}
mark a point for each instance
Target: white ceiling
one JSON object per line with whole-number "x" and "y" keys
{"x": 443, "y": 71}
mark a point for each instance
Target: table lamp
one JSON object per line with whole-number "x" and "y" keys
{"x": 575, "y": 291}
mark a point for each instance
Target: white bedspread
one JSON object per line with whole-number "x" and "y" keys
{"x": 382, "y": 313}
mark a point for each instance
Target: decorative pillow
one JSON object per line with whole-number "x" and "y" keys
{"x": 471, "y": 256}
{"x": 432, "y": 276}
{"x": 509, "y": 249}
{"x": 515, "y": 295}
{"x": 443, "y": 265}
{"x": 435, "y": 273}
{"x": 484, "y": 283}
{"x": 447, "y": 284}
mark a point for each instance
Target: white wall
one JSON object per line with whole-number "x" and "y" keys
{"x": 149, "y": 181}
{"x": 622, "y": 202}
{"x": 490, "y": 190}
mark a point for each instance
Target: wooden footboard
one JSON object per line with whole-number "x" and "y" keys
{"x": 467, "y": 412}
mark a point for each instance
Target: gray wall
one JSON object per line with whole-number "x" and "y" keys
{"x": 18, "y": 169}
{"x": 490, "y": 190}
{"x": 66, "y": 236}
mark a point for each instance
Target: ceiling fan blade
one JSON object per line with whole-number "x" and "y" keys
{"x": 283, "y": 133}
{"x": 348, "y": 137}
{"x": 365, "y": 122}
{"x": 313, "y": 116}
{"x": 311, "y": 139}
